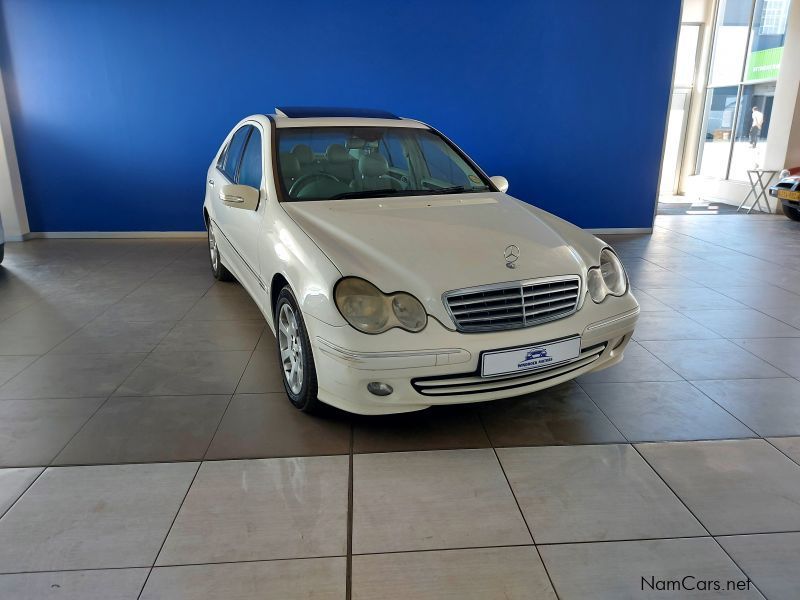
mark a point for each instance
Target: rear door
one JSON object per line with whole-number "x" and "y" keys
{"x": 226, "y": 216}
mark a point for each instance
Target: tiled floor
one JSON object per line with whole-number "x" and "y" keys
{"x": 147, "y": 449}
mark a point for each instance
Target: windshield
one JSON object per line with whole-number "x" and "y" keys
{"x": 333, "y": 163}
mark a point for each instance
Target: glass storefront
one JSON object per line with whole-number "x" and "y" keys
{"x": 748, "y": 47}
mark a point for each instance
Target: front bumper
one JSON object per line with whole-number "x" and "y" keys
{"x": 441, "y": 366}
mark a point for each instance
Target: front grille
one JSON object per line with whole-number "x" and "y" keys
{"x": 513, "y": 305}
{"x": 472, "y": 383}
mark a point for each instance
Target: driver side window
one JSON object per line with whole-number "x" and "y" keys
{"x": 230, "y": 161}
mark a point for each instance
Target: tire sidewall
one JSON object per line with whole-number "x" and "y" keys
{"x": 308, "y": 390}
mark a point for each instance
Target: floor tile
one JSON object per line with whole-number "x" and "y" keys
{"x": 625, "y": 570}
{"x": 221, "y": 307}
{"x": 13, "y": 482}
{"x": 474, "y": 574}
{"x": 213, "y": 335}
{"x": 593, "y": 493}
{"x": 711, "y": 359}
{"x": 741, "y": 486}
{"x": 637, "y": 365}
{"x": 767, "y": 406}
{"x": 769, "y": 560}
{"x": 151, "y": 307}
{"x": 560, "y": 415}
{"x": 146, "y": 429}
{"x": 185, "y": 373}
{"x": 670, "y": 326}
{"x": 763, "y": 296}
{"x": 790, "y": 316}
{"x": 268, "y": 425}
{"x": 432, "y": 500}
{"x": 71, "y": 376}
{"x": 263, "y": 373}
{"x": 742, "y": 323}
{"x": 32, "y": 432}
{"x": 789, "y": 446}
{"x": 437, "y": 428}
{"x": 12, "y": 365}
{"x": 687, "y": 298}
{"x": 674, "y": 410}
{"x": 93, "y": 517}
{"x": 310, "y": 578}
{"x": 107, "y": 336}
{"x": 779, "y": 352}
{"x": 262, "y": 510}
{"x": 110, "y": 584}
{"x": 648, "y": 303}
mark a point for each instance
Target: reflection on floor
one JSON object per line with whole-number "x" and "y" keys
{"x": 147, "y": 449}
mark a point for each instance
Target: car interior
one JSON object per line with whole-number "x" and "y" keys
{"x": 347, "y": 163}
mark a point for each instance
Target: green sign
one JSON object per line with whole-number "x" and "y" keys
{"x": 764, "y": 64}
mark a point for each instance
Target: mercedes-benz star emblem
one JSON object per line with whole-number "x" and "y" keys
{"x": 511, "y": 255}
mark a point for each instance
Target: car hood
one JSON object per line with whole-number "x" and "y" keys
{"x": 429, "y": 245}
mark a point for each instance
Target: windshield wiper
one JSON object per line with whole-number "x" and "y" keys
{"x": 368, "y": 194}
{"x": 456, "y": 189}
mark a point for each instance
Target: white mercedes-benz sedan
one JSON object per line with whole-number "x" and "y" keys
{"x": 395, "y": 274}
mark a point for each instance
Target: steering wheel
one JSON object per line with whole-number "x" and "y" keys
{"x": 306, "y": 180}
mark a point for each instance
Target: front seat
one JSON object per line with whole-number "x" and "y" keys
{"x": 290, "y": 169}
{"x": 373, "y": 174}
{"x": 339, "y": 163}
{"x": 305, "y": 156}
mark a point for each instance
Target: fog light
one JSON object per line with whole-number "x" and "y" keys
{"x": 379, "y": 389}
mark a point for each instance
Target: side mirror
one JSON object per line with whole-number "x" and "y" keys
{"x": 500, "y": 182}
{"x": 240, "y": 196}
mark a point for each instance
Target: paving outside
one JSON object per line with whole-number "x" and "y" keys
{"x": 147, "y": 449}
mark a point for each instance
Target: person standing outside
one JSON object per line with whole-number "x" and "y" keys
{"x": 755, "y": 129}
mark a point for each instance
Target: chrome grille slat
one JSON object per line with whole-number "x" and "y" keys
{"x": 513, "y": 305}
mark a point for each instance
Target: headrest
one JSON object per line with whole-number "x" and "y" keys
{"x": 337, "y": 153}
{"x": 303, "y": 154}
{"x": 373, "y": 165}
{"x": 290, "y": 166}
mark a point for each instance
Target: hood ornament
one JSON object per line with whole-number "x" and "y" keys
{"x": 511, "y": 256}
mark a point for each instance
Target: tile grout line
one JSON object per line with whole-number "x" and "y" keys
{"x": 104, "y": 311}
{"x": 208, "y": 447}
{"x": 348, "y": 582}
{"x": 169, "y": 529}
{"x": 519, "y": 508}
{"x": 674, "y": 493}
{"x": 738, "y": 566}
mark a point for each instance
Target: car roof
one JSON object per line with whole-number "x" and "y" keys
{"x": 320, "y": 116}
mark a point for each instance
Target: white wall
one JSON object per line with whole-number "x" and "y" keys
{"x": 12, "y": 201}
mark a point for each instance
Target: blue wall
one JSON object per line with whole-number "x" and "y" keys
{"x": 118, "y": 106}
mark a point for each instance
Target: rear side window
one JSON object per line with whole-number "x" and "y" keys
{"x": 250, "y": 169}
{"x": 233, "y": 152}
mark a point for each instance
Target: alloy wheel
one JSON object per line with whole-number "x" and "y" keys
{"x": 291, "y": 349}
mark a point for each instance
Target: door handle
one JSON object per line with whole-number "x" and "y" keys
{"x": 211, "y": 182}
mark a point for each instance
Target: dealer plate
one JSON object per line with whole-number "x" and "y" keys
{"x": 788, "y": 195}
{"x": 530, "y": 358}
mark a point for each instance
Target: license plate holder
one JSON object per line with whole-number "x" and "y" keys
{"x": 531, "y": 357}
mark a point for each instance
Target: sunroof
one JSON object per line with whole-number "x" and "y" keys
{"x": 301, "y": 112}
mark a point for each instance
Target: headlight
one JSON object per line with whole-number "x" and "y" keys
{"x": 607, "y": 279}
{"x": 369, "y": 310}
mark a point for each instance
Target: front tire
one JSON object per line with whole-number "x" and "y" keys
{"x": 217, "y": 268}
{"x": 791, "y": 212}
{"x": 294, "y": 350}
